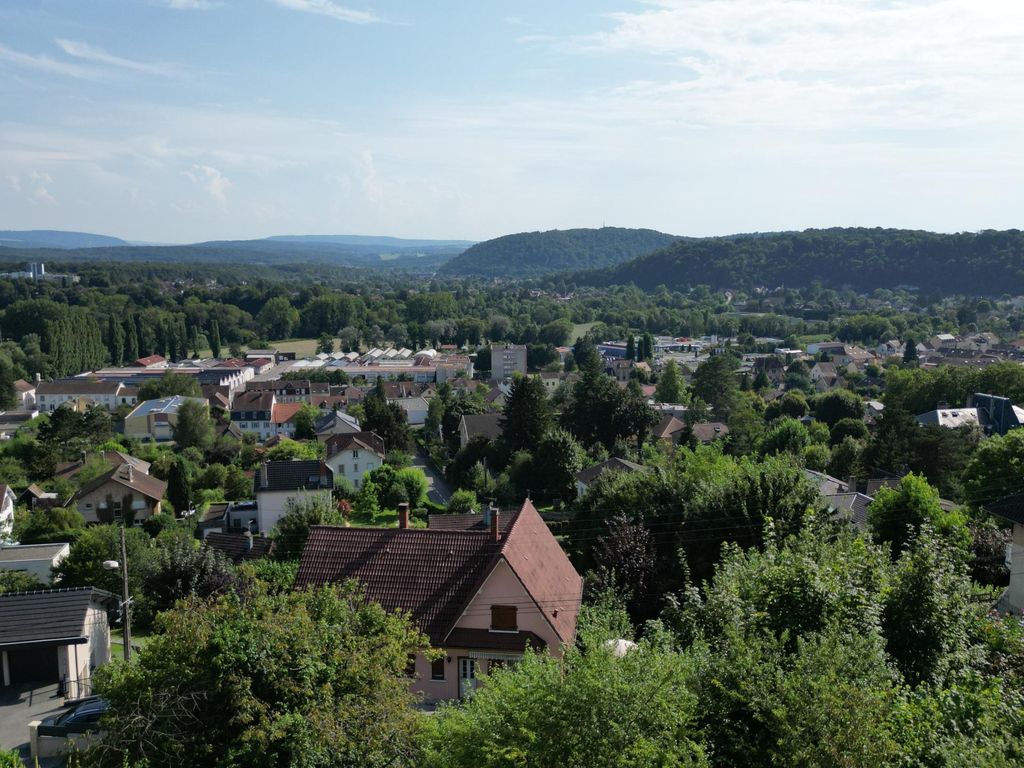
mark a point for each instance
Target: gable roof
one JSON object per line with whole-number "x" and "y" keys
{"x": 23, "y": 386}
{"x": 369, "y": 441}
{"x": 851, "y": 507}
{"x": 78, "y": 386}
{"x": 236, "y": 546}
{"x": 667, "y": 427}
{"x": 483, "y": 425}
{"x": 285, "y": 412}
{"x": 253, "y": 400}
{"x": 128, "y": 476}
{"x": 709, "y": 431}
{"x": 1010, "y": 508}
{"x": 614, "y": 464}
{"x": 16, "y": 553}
{"x": 50, "y": 617}
{"x": 434, "y": 573}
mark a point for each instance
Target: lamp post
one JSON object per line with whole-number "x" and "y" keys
{"x": 126, "y": 608}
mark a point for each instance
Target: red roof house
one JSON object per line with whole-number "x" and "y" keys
{"x": 483, "y": 589}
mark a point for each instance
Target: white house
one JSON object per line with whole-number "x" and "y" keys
{"x": 280, "y": 482}
{"x": 415, "y": 408}
{"x": 7, "y": 501}
{"x": 50, "y": 395}
{"x": 352, "y": 456}
{"x": 34, "y": 559}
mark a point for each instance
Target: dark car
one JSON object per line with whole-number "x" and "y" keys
{"x": 82, "y": 718}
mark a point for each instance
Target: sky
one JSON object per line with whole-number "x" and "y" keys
{"x": 190, "y": 120}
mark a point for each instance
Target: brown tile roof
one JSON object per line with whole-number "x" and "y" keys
{"x": 434, "y": 573}
{"x": 128, "y": 476}
{"x": 23, "y": 386}
{"x": 69, "y": 469}
{"x": 150, "y": 360}
{"x": 468, "y": 522}
{"x": 236, "y": 546}
{"x": 667, "y": 427}
{"x": 253, "y": 400}
{"x": 710, "y": 431}
{"x": 369, "y": 441}
{"x": 285, "y": 412}
{"x": 430, "y": 574}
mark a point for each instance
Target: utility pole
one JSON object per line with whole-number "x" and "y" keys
{"x": 127, "y": 609}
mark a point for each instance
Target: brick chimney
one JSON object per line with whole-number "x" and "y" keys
{"x": 495, "y": 525}
{"x": 403, "y": 515}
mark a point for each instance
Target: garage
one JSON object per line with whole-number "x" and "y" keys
{"x": 33, "y": 664}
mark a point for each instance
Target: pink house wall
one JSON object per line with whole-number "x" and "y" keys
{"x": 502, "y": 587}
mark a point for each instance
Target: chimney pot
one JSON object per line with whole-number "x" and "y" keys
{"x": 495, "y": 525}
{"x": 403, "y": 514}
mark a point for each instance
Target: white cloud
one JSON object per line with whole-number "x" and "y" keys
{"x": 826, "y": 63}
{"x": 330, "y": 8}
{"x": 40, "y": 192}
{"x": 212, "y": 180}
{"x": 90, "y": 53}
{"x": 46, "y": 64}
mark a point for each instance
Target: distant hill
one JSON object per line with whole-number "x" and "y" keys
{"x": 339, "y": 250}
{"x": 52, "y": 238}
{"x": 371, "y": 241}
{"x": 530, "y": 254}
{"x": 983, "y": 263}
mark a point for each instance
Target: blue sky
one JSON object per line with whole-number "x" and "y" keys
{"x": 184, "y": 120}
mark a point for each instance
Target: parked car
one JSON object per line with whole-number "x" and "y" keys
{"x": 82, "y": 718}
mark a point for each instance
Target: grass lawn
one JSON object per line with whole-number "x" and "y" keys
{"x": 386, "y": 518}
{"x": 301, "y": 347}
{"x": 580, "y": 329}
{"x": 139, "y": 640}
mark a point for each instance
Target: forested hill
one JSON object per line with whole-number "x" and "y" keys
{"x": 529, "y": 254}
{"x": 983, "y": 263}
{"x": 53, "y": 238}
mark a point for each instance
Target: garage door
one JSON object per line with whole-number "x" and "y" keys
{"x": 33, "y": 665}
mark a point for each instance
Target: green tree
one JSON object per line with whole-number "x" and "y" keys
{"x": 180, "y": 569}
{"x": 19, "y": 581}
{"x": 910, "y": 351}
{"x": 462, "y": 502}
{"x": 557, "y": 459}
{"x": 389, "y": 420}
{"x": 168, "y": 385}
{"x": 214, "y": 338}
{"x": 715, "y": 383}
{"x": 836, "y": 405}
{"x": 592, "y": 708}
{"x": 325, "y": 344}
{"x": 334, "y": 694}
{"x": 278, "y": 318}
{"x": 994, "y": 471}
{"x": 630, "y": 346}
{"x": 193, "y": 427}
{"x": 305, "y": 422}
{"x": 45, "y": 525}
{"x": 897, "y": 514}
{"x": 527, "y": 414}
{"x": 300, "y": 515}
{"x": 179, "y": 486}
{"x": 671, "y": 387}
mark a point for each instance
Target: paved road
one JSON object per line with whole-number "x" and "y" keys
{"x": 18, "y": 707}
{"x": 438, "y": 490}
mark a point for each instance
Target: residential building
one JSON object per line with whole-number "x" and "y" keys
{"x": 588, "y": 476}
{"x": 37, "y": 560}
{"x": 352, "y": 456}
{"x": 415, "y": 409}
{"x": 7, "y": 502}
{"x": 25, "y": 393}
{"x": 482, "y": 594}
{"x": 80, "y": 393}
{"x": 1011, "y": 509}
{"x": 155, "y": 419}
{"x": 279, "y": 483}
{"x": 336, "y": 423}
{"x": 122, "y": 494}
{"x": 507, "y": 360}
{"x": 709, "y": 431}
{"x": 56, "y": 636}
{"x": 252, "y": 412}
{"x": 239, "y": 547}
{"x": 68, "y": 470}
{"x": 487, "y": 425}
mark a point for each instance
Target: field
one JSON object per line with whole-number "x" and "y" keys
{"x": 580, "y": 329}
{"x": 301, "y": 347}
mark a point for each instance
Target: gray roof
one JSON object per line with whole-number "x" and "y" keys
{"x": 13, "y": 553}
{"x": 827, "y": 485}
{"x": 293, "y": 476}
{"x": 49, "y": 617}
{"x": 950, "y": 417}
{"x": 615, "y": 464}
{"x": 483, "y": 424}
{"x": 852, "y": 507}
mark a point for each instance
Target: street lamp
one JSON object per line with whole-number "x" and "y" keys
{"x": 126, "y": 608}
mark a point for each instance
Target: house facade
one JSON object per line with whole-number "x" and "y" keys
{"x": 55, "y": 636}
{"x": 7, "y": 502}
{"x": 155, "y": 419}
{"x": 352, "y": 456}
{"x": 122, "y": 494}
{"x": 78, "y": 391}
{"x": 279, "y": 483}
{"x": 484, "y": 589}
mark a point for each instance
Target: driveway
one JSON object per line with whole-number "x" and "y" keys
{"x": 438, "y": 490}
{"x": 18, "y": 707}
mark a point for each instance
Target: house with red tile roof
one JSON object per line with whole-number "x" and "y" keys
{"x": 482, "y": 588}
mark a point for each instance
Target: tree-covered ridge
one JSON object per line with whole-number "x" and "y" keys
{"x": 985, "y": 263}
{"x": 535, "y": 253}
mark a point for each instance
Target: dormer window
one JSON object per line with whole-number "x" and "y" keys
{"x": 503, "y": 618}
